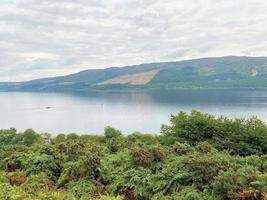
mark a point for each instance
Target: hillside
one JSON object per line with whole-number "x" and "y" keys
{"x": 205, "y": 73}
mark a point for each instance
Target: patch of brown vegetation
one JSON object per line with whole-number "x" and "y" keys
{"x": 134, "y": 79}
{"x": 17, "y": 180}
{"x": 129, "y": 194}
{"x": 249, "y": 195}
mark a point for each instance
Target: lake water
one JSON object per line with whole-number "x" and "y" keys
{"x": 128, "y": 112}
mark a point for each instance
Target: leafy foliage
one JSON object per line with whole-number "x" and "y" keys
{"x": 238, "y": 136}
{"x": 197, "y": 157}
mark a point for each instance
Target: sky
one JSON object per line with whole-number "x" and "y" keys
{"x": 57, "y": 37}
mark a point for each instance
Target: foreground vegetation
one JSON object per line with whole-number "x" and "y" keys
{"x": 197, "y": 157}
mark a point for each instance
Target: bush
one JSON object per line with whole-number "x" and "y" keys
{"x": 82, "y": 188}
{"x": 114, "y": 164}
{"x": 27, "y": 138}
{"x": 199, "y": 157}
{"x": 37, "y": 183}
{"x": 15, "y": 161}
{"x": 204, "y": 147}
{"x": 238, "y": 136}
{"x": 116, "y": 145}
{"x": 85, "y": 167}
{"x": 181, "y": 148}
{"x": 159, "y": 153}
{"x": 145, "y": 156}
{"x": 142, "y": 156}
{"x": 36, "y": 163}
{"x": 140, "y": 138}
{"x": 112, "y": 133}
{"x": 72, "y": 136}
{"x": 228, "y": 183}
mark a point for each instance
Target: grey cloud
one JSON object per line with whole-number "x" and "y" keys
{"x": 48, "y": 38}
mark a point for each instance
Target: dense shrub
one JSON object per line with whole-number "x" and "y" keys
{"x": 112, "y": 133}
{"x": 37, "y": 183}
{"x": 238, "y": 136}
{"x": 142, "y": 155}
{"x": 198, "y": 157}
{"x": 82, "y": 188}
{"x": 181, "y": 148}
{"x": 159, "y": 153}
{"x": 232, "y": 182}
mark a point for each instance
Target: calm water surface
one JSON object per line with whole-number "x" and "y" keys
{"x": 129, "y": 112}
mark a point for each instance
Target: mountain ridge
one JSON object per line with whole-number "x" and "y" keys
{"x": 201, "y": 73}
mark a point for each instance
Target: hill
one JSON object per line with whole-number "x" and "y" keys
{"x": 233, "y": 72}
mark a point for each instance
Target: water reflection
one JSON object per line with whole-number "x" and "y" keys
{"x": 134, "y": 111}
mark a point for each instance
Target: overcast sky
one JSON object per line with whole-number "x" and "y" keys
{"x": 54, "y": 37}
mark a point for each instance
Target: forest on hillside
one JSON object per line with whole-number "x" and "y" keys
{"x": 196, "y": 157}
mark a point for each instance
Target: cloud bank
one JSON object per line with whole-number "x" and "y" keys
{"x": 49, "y": 38}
